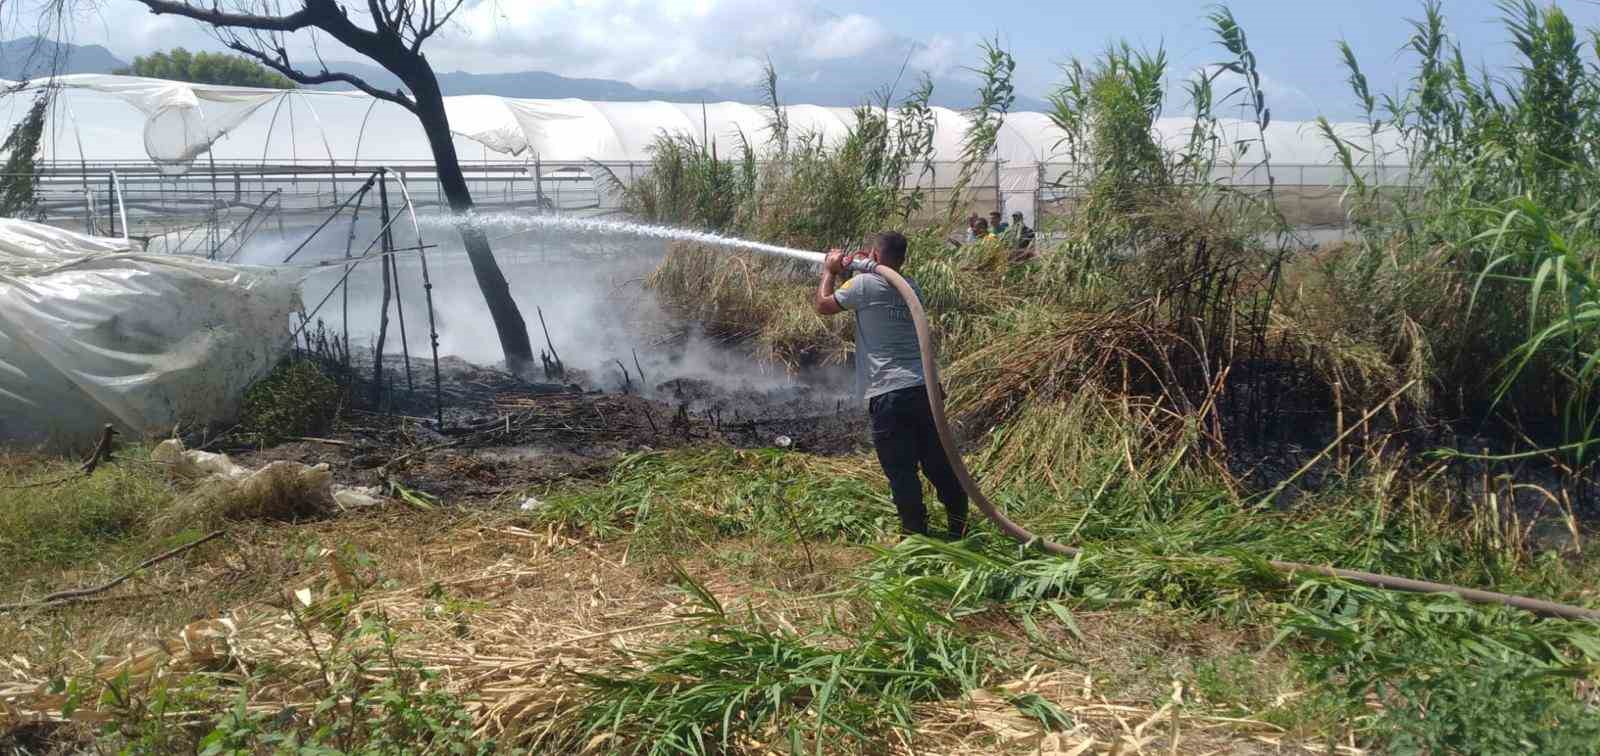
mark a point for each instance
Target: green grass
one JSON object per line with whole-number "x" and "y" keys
{"x": 663, "y": 501}
{"x": 79, "y": 519}
{"x": 52, "y": 517}
{"x": 739, "y": 683}
{"x": 1145, "y": 537}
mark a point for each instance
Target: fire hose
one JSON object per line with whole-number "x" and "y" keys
{"x": 1022, "y": 535}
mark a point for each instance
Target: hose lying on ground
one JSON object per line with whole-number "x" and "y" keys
{"x": 930, "y": 367}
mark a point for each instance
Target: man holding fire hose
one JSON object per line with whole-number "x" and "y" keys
{"x": 889, "y": 370}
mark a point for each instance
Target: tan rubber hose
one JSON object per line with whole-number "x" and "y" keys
{"x": 930, "y": 368}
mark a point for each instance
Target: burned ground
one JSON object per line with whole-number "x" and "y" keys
{"x": 501, "y": 434}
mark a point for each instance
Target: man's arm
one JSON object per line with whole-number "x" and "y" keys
{"x": 824, "y": 301}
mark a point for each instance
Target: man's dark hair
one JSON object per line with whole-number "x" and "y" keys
{"x": 892, "y": 247}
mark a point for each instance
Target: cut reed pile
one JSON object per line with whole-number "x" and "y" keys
{"x": 1063, "y": 714}
{"x": 505, "y": 637}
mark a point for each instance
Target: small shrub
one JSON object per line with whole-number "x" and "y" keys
{"x": 394, "y": 716}
{"x": 1498, "y": 708}
{"x": 295, "y": 399}
{"x": 1453, "y": 679}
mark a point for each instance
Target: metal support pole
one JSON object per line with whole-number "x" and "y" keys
{"x": 1038, "y": 196}
{"x": 400, "y": 308}
{"x": 213, "y": 230}
{"x": 344, "y": 283}
{"x": 538, "y": 183}
{"x": 383, "y": 318}
{"x": 122, "y": 208}
{"x": 361, "y": 192}
{"x": 999, "y": 197}
{"x": 427, "y": 289}
{"x": 83, "y": 168}
{"x": 391, "y": 267}
{"x": 111, "y": 202}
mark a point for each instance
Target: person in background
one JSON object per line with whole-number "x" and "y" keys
{"x": 1020, "y": 235}
{"x": 972, "y": 226}
{"x": 980, "y": 230}
{"x": 996, "y": 224}
{"x": 889, "y": 370}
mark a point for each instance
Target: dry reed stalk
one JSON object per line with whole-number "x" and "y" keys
{"x": 511, "y": 665}
{"x": 988, "y": 721}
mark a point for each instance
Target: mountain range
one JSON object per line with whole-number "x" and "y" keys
{"x": 841, "y": 85}
{"x": 30, "y": 57}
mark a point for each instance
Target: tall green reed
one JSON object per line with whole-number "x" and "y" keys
{"x": 1501, "y": 170}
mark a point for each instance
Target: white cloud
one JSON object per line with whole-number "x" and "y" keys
{"x": 1280, "y": 94}
{"x": 666, "y": 44}
{"x": 937, "y": 56}
{"x": 846, "y": 37}
{"x": 671, "y": 43}
{"x": 128, "y": 29}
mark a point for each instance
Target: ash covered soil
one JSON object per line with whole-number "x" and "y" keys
{"x": 501, "y": 434}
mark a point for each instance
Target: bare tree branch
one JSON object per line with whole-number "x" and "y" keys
{"x": 435, "y": 22}
{"x": 281, "y": 65}
{"x": 296, "y": 21}
{"x": 380, "y": 14}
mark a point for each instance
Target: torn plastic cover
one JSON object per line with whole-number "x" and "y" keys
{"x": 93, "y": 331}
{"x": 181, "y": 120}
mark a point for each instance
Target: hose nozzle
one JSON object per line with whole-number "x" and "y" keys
{"x": 863, "y": 265}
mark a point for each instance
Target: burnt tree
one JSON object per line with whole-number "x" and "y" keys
{"x": 394, "y": 41}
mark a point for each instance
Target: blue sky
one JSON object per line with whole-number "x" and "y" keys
{"x": 1293, "y": 39}
{"x": 856, "y": 45}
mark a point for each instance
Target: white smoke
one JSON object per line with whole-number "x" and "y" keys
{"x": 586, "y": 276}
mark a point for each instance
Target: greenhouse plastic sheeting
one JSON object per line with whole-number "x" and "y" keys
{"x": 93, "y": 331}
{"x": 92, "y": 120}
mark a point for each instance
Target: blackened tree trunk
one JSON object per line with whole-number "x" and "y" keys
{"x": 508, "y": 322}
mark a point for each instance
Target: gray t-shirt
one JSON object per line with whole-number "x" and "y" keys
{"x": 887, "y": 357}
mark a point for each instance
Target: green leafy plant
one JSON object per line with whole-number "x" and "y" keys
{"x": 1486, "y": 258}
{"x": 734, "y": 685}
{"x": 297, "y": 398}
{"x": 996, "y": 95}
{"x": 18, "y": 179}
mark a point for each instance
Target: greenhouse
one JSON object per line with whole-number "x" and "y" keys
{"x": 98, "y": 123}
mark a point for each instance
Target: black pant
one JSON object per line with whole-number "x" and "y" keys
{"x": 904, "y": 435}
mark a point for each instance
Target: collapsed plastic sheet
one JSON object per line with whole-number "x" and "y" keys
{"x": 181, "y": 120}
{"x": 92, "y": 331}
